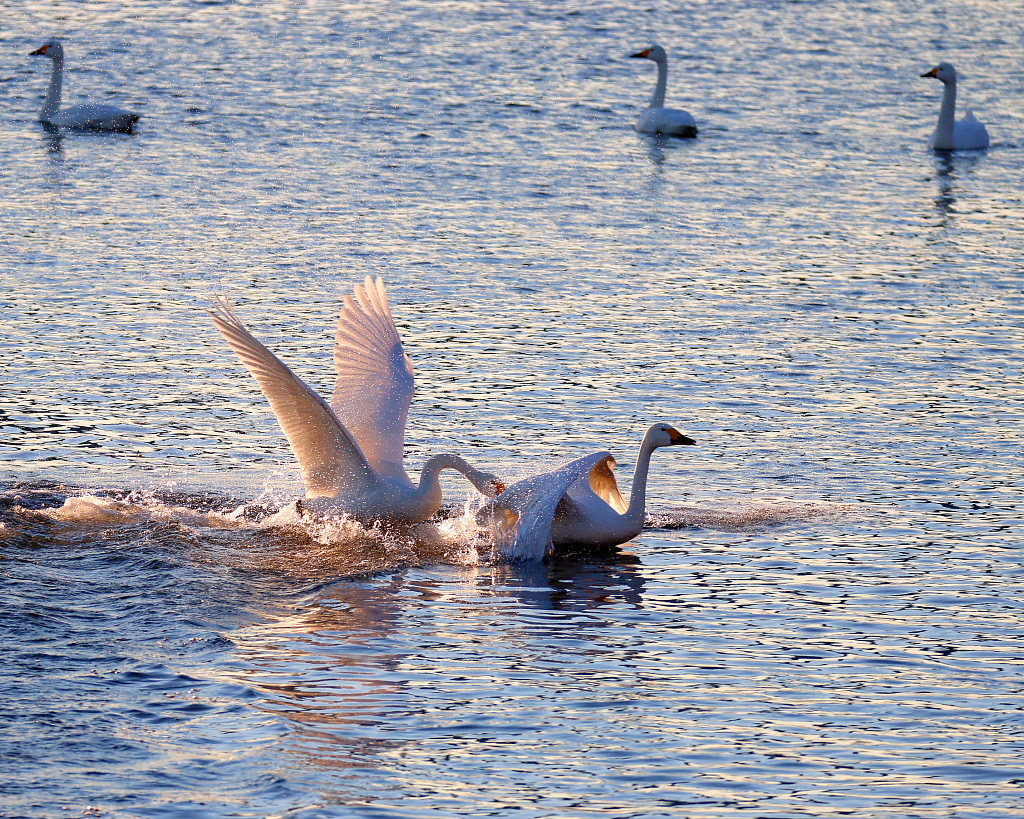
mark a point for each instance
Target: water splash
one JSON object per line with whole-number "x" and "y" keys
{"x": 251, "y": 537}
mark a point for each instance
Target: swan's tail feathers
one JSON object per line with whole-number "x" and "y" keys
{"x": 520, "y": 519}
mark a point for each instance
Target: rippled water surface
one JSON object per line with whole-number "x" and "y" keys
{"x": 823, "y": 615}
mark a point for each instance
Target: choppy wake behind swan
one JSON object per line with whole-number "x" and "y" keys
{"x": 255, "y": 536}
{"x": 259, "y": 537}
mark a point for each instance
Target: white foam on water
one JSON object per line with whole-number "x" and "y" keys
{"x": 741, "y": 516}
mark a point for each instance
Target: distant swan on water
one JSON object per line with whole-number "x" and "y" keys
{"x": 351, "y": 451}
{"x": 89, "y": 116}
{"x": 658, "y": 119}
{"x": 949, "y": 135}
{"x": 576, "y": 505}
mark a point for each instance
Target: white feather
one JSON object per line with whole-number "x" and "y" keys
{"x": 375, "y": 382}
{"x": 328, "y": 456}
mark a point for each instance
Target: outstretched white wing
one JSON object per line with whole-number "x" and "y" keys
{"x": 375, "y": 380}
{"x": 524, "y": 534}
{"x": 602, "y": 481}
{"x": 328, "y": 456}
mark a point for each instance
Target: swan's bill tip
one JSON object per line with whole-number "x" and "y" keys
{"x": 678, "y": 439}
{"x": 646, "y": 52}
{"x": 41, "y": 50}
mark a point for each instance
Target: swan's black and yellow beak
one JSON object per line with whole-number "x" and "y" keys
{"x": 933, "y": 73}
{"x": 38, "y": 51}
{"x": 645, "y": 53}
{"x": 676, "y": 438}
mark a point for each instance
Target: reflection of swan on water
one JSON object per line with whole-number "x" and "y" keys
{"x": 577, "y": 505}
{"x": 950, "y": 170}
{"x": 54, "y": 141}
{"x": 574, "y": 582}
{"x": 312, "y": 666}
{"x": 659, "y": 149}
{"x": 658, "y": 119}
{"x": 949, "y": 135}
{"x": 656, "y": 150}
{"x": 89, "y": 116}
{"x": 946, "y": 200}
{"x": 351, "y": 452}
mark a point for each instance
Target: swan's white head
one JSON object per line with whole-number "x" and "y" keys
{"x": 51, "y": 48}
{"x": 492, "y": 485}
{"x": 944, "y": 72}
{"x": 655, "y": 52}
{"x": 667, "y": 435}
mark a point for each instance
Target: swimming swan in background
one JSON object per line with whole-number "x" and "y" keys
{"x": 578, "y": 504}
{"x": 351, "y": 452}
{"x": 658, "y": 119}
{"x": 91, "y": 116}
{"x": 966, "y": 135}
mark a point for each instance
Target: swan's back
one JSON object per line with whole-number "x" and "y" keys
{"x": 670, "y": 121}
{"x": 970, "y": 133}
{"x": 94, "y": 116}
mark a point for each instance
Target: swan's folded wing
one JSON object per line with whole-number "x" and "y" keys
{"x": 970, "y": 132}
{"x": 602, "y": 481}
{"x": 328, "y": 457}
{"x": 90, "y": 112}
{"x": 534, "y": 503}
{"x": 375, "y": 380}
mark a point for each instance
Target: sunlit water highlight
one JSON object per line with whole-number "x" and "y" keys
{"x": 823, "y": 615}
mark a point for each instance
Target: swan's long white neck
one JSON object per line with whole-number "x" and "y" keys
{"x": 431, "y": 472}
{"x": 658, "y": 97}
{"x": 638, "y": 492}
{"x": 52, "y": 102}
{"x": 943, "y": 137}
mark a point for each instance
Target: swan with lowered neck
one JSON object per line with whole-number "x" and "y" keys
{"x": 949, "y": 135}
{"x": 658, "y": 119}
{"x": 577, "y": 505}
{"x": 89, "y": 116}
{"x": 351, "y": 451}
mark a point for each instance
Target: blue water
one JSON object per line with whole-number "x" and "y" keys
{"x": 823, "y": 616}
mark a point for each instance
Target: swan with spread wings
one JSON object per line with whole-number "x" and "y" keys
{"x": 578, "y": 505}
{"x": 351, "y": 451}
